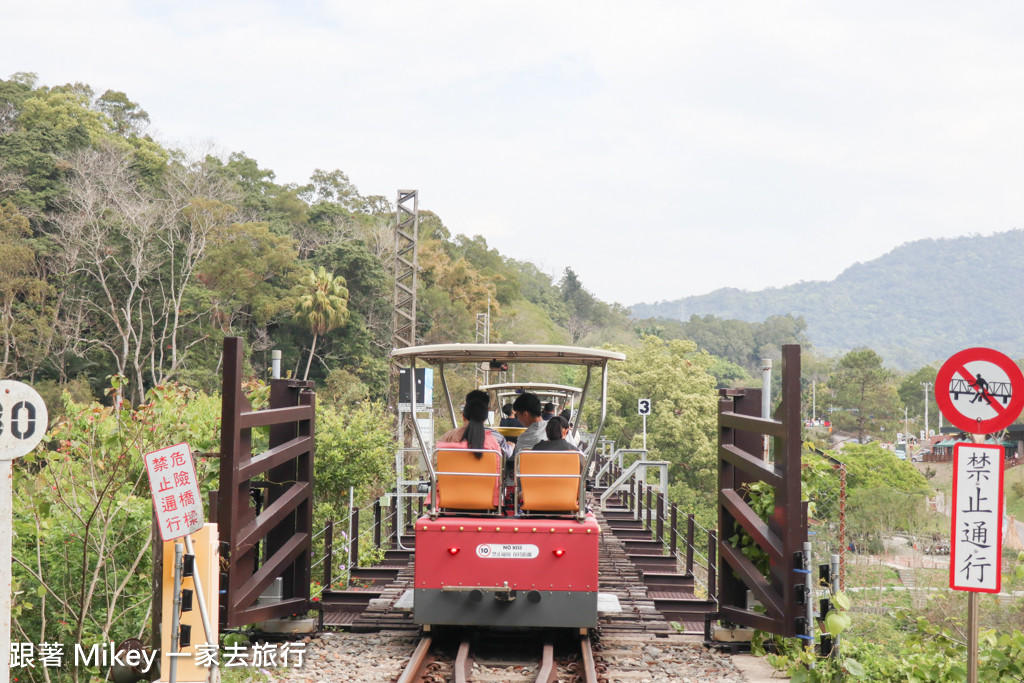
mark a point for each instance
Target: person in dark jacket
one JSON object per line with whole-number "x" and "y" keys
{"x": 548, "y": 412}
{"x": 556, "y": 430}
{"x": 508, "y": 420}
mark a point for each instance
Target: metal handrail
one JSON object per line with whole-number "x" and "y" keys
{"x": 616, "y": 457}
{"x": 662, "y": 466}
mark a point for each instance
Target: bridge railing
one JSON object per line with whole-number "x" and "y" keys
{"x": 361, "y": 532}
{"x": 692, "y": 544}
{"x": 636, "y": 473}
{"x": 611, "y": 465}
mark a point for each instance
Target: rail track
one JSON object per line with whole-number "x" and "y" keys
{"x": 499, "y": 656}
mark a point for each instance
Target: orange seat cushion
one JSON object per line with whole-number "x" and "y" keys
{"x": 551, "y": 493}
{"x": 468, "y": 482}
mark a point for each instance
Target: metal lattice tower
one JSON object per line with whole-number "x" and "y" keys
{"x": 403, "y": 334}
{"x": 406, "y": 268}
{"x": 483, "y": 336}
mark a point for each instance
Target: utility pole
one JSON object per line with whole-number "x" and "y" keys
{"x": 906, "y": 433}
{"x": 926, "y": 385}
{"x": 766, "y": 399}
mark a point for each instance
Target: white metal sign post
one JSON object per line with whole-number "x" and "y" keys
{"x": 976, "y": 549}
{"x": 980, "y": 391}
{"x": 23, "y": 423}
{"x": 643, "y": 407}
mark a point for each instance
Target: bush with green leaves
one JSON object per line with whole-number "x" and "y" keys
{"x": 82, "y": 519}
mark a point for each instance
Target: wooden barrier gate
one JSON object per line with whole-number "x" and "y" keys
{"x": 283, "y": 523}
{"x": 741, "y": 461}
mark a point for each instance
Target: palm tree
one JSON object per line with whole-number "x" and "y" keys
{"x": 323, "y": 306}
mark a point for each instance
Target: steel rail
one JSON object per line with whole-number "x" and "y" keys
{"x": 463, "y": 662}
{"x": 548, "y": 672}
{"x": 589, "y": 671}
{"x": 418, "y": 662}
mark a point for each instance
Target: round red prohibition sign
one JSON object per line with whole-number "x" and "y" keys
{"x": 980, "y": 390}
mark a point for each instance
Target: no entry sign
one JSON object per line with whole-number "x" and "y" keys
{"x": 980, "y": 390}
{"x": 977, "y": 547}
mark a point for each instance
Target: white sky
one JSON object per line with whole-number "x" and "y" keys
{"x": 661, "y": 149}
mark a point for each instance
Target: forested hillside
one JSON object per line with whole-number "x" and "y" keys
{"x": 919, "y": 303}
{"x": 125, "y": 258}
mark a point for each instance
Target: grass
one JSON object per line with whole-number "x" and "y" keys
{"x": 1013, "y": 484}
{"x": 871, "y": 575}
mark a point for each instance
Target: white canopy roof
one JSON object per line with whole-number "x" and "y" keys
{"x": 511, "y": 353}
{"x": 535, "y": 387}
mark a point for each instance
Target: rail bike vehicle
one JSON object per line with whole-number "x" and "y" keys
{"x": 507, "y": 543}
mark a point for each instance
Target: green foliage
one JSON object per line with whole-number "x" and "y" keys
{"x": 82, "y": 512}
{"x": 911, "y": 392}
{"x": 863, "y": 392}
{"x": 355, "y": 447}
{"x": 870, "y": 466}
{"x": 26, "y": 299}
{"x": 322, "y": 305}
{"x": 248, "y": 273}
{"x": 816, "y": 475}
{"x": 737, "y": 341}
{"x": 681, "y": 425}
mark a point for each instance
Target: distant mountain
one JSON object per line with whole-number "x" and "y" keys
{"x": 921, "y": 302}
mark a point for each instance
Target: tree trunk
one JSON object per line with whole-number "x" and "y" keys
{"x": 309, "y": 362}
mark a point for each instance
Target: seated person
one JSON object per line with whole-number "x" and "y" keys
{"x": 569, "y": 436}
{"x": 508, "y": 420}
{"x": 556, "y": 430}
{"x": 527, "y": 411}
{"x": 473, "y": 432}
{"x": 548, "y": 412}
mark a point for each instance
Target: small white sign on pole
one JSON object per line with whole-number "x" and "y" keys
{"x": 23, "y": 422}
{"x": 23, "y": 419}
{"x": 976, "y": 550}
{"x": 643, "y": 407}
{"x": 176, "y": 497}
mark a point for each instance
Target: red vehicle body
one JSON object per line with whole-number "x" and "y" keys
{"x": 533, "y": 571}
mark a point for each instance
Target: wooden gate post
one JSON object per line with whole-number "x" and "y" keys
{"x": 781, "y": 537}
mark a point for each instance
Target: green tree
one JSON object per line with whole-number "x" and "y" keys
{"x": 355, "y": 447}
{"x": 322, "y": 307}
{"x": 681, "y": 427}
{"x": 25, "y": 328}
{"x": 911, "y": 392}
{"x": 127, "y": 117}
{"x": 248, "y": 273}
{"x": 864, "y": 392}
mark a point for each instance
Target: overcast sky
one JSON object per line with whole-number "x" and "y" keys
{"x": 660, "y": 149}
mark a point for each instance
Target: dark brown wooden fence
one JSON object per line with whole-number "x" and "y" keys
{"x": 740, "y": 462}
{"x": 265, "y": 503}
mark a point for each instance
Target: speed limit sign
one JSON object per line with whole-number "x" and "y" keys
{"x": 643, "y": 406}
{"x": 23, "y": 419}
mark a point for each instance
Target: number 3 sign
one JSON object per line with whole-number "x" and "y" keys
{"x": 23, "y": 419}
{"x": 643, "y": 406}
